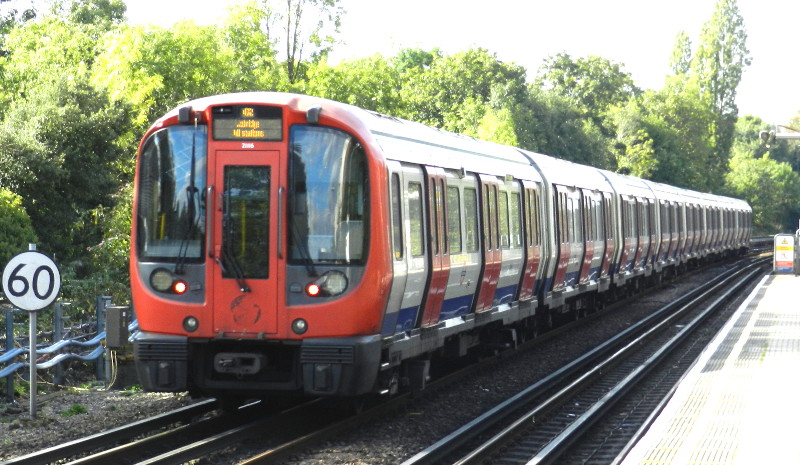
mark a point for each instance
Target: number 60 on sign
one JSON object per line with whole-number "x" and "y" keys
{"x": 31, "y": 281}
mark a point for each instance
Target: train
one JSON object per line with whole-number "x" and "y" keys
{"x": 288, "y": 244}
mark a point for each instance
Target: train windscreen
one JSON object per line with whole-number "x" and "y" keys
{"x": 172, "y": 177}
{"x": 329, "y": 193}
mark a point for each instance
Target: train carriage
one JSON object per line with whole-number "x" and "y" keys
{"x": 285, "y": 243}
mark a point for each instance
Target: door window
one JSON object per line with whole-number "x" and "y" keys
{"x": 245, "y": 224}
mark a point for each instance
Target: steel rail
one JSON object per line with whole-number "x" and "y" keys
{"x": 448, "y": 445}
{"x": 124, "y": 432}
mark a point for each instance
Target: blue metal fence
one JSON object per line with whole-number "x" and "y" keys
{"x": 86, "y": 346}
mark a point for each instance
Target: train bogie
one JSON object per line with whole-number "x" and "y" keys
{"x": 283, "y": 243}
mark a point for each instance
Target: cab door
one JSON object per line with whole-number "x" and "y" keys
{"x": 244, "y": 242}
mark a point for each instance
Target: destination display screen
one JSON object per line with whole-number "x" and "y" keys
{"x": 247, "y": 122}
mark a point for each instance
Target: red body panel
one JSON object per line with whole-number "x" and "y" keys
{"x": 559, "y": 281}
{"x": 587, "y": 262}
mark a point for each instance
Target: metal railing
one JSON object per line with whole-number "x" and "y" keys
{"x": 83, "y": 342}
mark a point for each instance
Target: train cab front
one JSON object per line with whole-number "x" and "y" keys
{"x": 251, "y": 263}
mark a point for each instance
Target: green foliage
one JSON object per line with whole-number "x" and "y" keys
{"x": 370, "y": 83}
{"x": 772, "y": 188}
{"x": 63, "y": 135}
{"x": 104, "y": 13}
{"x": 716, "y": 71}
{"x": 155, "y": 69}
{"x": 770, "y": 185}
{"x": 16, "y": 231}
{"x": 75, "y": 409}
{"x": 432, "y": 93}
{"x": 307, "y": 24}
{"x": 563, "y": 131}
{"x": 592, "y": 84}
{"x": 246, "y": 32}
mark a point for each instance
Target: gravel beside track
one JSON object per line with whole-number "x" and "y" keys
{"x": 387, "y": 441}
{"x": 103, "y": 410}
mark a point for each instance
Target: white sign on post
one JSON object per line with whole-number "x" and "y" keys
{"x": 31, "y": 281}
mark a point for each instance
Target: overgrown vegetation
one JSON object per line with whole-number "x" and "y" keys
{"x": 79, "y": 86}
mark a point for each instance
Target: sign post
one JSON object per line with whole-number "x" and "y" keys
{"x": 783, "y": 254}
{"x": 31, "y": 281}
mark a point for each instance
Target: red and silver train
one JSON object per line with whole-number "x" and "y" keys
{"x": 285, "y": 243}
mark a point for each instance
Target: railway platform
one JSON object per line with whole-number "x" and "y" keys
{"x": 740, "y": 402}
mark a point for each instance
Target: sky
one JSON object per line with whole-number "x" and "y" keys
{"x": 638, "y": 34}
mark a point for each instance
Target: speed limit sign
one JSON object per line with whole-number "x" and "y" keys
{"x": 31, "y": 281}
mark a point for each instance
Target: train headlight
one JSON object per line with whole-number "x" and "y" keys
{"x": 329, "y": 284}
{"x": 161, "y": 280}
{"x": 190, "y": 324}
{"x": 335, "y": 282}
{"x": 299, "y": 326}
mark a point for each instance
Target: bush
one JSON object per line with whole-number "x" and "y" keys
{"x": 16, "y": 231}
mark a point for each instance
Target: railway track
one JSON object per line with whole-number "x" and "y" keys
{"x": 183, "y": 435}
{"x": 540, "y": 424}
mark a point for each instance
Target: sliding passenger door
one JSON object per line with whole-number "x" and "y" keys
{"x": 438, "y": 254}
{"x": 532, "y": 220}
{"x": 489, "y": 186}
{"x": 409, "y": 262}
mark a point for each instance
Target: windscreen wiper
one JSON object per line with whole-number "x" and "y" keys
{"x": 191, "y": 213}
{"x": 302, "y": 248}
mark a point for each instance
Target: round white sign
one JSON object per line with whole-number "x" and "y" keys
{"x": 31, "y": 281}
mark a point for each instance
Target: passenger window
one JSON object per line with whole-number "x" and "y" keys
{"x": 416, "y": 219}
{"x": 529, "y": 217}
{"x": 440, "y": 205}
{"x": 397, "y": 219}
{"x": 471, "y": 219}
{"x": 503, "y": 211}
{"x": 535, "y": 220}
{"x": 454, "y": 219}
{"x": 516, "y": 234}
{"x": 436, "y": 206}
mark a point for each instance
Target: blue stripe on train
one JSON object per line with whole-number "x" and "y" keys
{"x": 456, "y": 306}
{"x": 505, "y": 295}
{"x": 397, "y": 322}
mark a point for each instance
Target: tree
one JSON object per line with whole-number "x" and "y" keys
{"x": 316, "y": 27}
{"x": 155, "y": 69}
{"x": 60, "y": 151}
{"x": 771, "y": 188}
{"x": 248, "y": 33}
{"x": 681, "y": 60}
{"x": 716, "y": 70}
{"x": 562, "y": 130}
{"x": 372, "y": 83}
{"x": 764, "y": 178}
{"x": 103, "y": 13}
{"x": 593, "y": 84}
{"x": 432, "y": 93}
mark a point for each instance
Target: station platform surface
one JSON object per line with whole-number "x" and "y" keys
{"x": 740, "y": 401}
